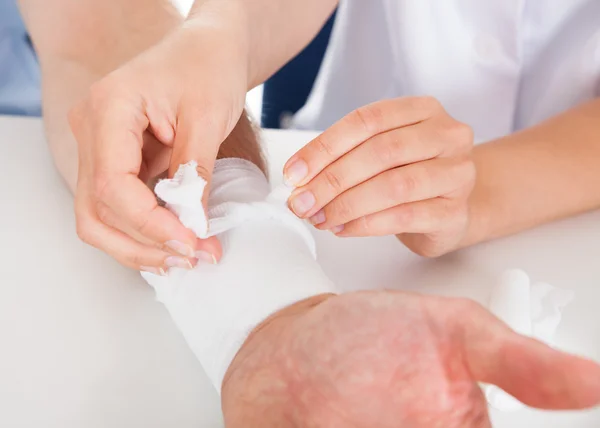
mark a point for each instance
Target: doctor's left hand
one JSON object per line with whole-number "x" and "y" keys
{"x": 400, "y": 166}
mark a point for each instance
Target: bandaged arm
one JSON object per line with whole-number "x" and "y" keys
{"x": 268, "y": 260}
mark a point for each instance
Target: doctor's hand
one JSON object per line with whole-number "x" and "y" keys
{"x": 174, "y": 103}
{"x": 390, "y": 359}
{"x": 400, "y": 166}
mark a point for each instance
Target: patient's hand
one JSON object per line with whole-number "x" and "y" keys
{"x": 392, "y": 359}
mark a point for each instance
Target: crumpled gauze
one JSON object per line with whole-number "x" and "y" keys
{"x": 530, "y": 309}
{"x": 268, "y": 260}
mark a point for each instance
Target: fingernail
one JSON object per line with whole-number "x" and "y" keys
{"x": 303, "y": 202}
{"x": 206, "y": 257}
{"x": 180, "y": 247}
{"x": 154, "y": 270}
{"x": 296, "y": 172}
{"x": 337, "y": 229}
{"x": 179, "y": 262}
{"x": 318, "y": 218}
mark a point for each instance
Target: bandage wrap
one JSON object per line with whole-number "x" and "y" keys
{"x": 268, "y": 260}
{"x": 533, "y": 310}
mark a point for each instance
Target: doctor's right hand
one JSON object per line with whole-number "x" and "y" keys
{"x": 172, "y": 104}
{"x": 388, "y": 359}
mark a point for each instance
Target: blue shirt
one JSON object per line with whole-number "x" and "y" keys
{"x": 20, "y": 92}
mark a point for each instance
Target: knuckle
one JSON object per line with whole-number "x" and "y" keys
{"x": 136, "y": 259}
{"x": 465, "y": 305}
{"x": 323, "y": 146}
{"x": 368, "y": 117}
{"x": 461, "y": 134}
{"x": 103, "y": 213}
{"x": 369, "y": 225}
{"x": 427, "y": 249}
{"x": 84, "y": 229}
{"x": 101, "y": 185}
{"x": 403, "y": 185}
{"x": 387, "y": 149}
{"x": 141, "y": 221}
{"x": 83, "y": 221}
{"x": 340, "y": 211}
{"x": 404, "y": 216}
{"x": 427, "y": 104}
{"x": 364, "y": 223}
{"x": 333, "y": 180}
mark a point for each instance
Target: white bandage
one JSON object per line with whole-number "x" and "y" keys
{"x": 268, "y": 260}
{"x": 531, "y": 310}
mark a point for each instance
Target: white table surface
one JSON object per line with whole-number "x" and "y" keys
{"x": 84, "y": 344}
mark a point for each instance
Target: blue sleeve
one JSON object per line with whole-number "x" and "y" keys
{"x": 20, "y": 92}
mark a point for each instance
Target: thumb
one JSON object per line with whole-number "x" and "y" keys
{"x": 198, "y": 140}
{"x": 529, "y": 370}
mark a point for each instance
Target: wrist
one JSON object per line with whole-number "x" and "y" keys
{"x": 269, "y": 328}
{"x": 479, "y": 204}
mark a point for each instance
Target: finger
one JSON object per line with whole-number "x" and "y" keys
{"x": 534, "y": 373}
{"x": 126, "y": 250}
{"x": 118, "y": 124}
{"x": 378, "y": 154}
{"x": 119, "y": 127}
{"x": 428, "y": 216}
{"x": 155, "y": 159}
{"x": 198, "y": 137}
{"x": 173, "y": 254}
{"x": 415, "y": 182}
{"x": 108, "y": 217}
{"x": 354, "y": 129}
{"x": 136, "y": 206}
{"x": 209, "y": 250}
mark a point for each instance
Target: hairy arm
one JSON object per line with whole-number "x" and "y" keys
{"x": 540, "y": 174}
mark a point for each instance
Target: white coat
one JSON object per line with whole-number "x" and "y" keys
{"x": 497, "y": 65}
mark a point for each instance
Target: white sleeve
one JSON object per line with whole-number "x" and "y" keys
{"x": 268, "y": 260}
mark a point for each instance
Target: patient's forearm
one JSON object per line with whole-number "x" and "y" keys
{"x": 268, "y": 260}
{"x": 243, "y": 143}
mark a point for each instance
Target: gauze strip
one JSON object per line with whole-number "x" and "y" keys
{"x": 268, "y": 260}
{"x": 530, "y": 310}
{"x": 239, "y": 193}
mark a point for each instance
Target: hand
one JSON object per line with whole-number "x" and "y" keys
{"x": 174, "y": 103}
{"x": 392, "y": 359}
{"x": 399, "y": 166}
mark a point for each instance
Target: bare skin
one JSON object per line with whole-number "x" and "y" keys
{"x": 373, "y": 359}
{"x": 390, "y": 359}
